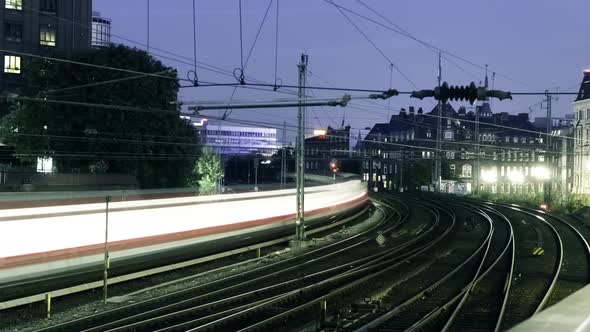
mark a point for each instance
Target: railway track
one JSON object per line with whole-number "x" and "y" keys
{"x": 544, "y": 280}
{"x": 445, "y": 265}
{"x": 499, "y": 285}
{"x": 435, "y": 297}
{"x": 242, "y": 290}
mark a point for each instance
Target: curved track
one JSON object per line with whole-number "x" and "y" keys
{"x": 444, "y": 264}
{"x": 500, "y": 284}
{"x": 243, "y": 291}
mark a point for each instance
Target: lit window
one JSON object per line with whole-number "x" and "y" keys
{"x": 466, "y": 170}
{"x": 47, "y": 36}
{"x": 12, "y": 64}
{"x": 14, "y": 4}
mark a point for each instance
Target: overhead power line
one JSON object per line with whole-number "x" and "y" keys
{"x": 86, "y": 64}
{"x": 244, "y": 64}
{"x": 175, "y": 56}
{"x": 373, "y": 44}
{"x": 407, "y": 35}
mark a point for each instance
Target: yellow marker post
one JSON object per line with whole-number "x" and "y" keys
{"x": 323, "y": 312}
{"x": 48, "y": 304}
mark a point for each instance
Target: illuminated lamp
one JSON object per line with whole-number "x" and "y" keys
{"x": 489, "y": 176}
{"x": 540, "y": 172}
{"x": 319, "y": 132}
{"x": 516, "y": 177}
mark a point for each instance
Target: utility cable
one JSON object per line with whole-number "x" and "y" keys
{"x": 174, "y": 58}
{"x": 242, "y": 82}
{"x": 196, "y": 76}
{"x": 116, "y": 80}
{"x": 241, "y": 77}
{"x": 148, "y": 26}
{"x": 275, "y": 88}
{"x": 438, "y": 49}
{"x": 373, "y": 44}
{"x": 86, "y": 64}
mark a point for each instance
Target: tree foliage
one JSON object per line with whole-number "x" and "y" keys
{"x": 206, "y": 172}
{"x": 157, "y": 147}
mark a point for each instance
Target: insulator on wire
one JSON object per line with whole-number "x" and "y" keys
{"x": 469, "y": 93}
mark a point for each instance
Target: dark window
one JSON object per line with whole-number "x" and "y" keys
{"x": 13, "y": 32}
{"x": 48, "y": 6}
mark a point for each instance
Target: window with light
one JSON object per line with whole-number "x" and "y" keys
{"x": 12, "y": 64}
{"x": 47, "y": 36}
{"x": 13, "y": 4}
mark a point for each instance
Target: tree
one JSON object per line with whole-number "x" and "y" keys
{"x": 155, "y": 145}
{"x": 206, "y": 172}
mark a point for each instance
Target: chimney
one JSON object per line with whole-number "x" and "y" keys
{"x": 584, "y": 92}
{"x": 524, "y": 116}
{"x": 402, "y": 112}
{"x": 411, "y": 110}
{"x": 420, "y": 111}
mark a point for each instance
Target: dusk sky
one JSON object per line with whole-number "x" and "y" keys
{"x": 532, "y": 45}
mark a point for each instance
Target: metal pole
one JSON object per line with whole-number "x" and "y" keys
{"x": 255, "y": 174}
{"x": 283, "y": 155}
{"x": 438, "y": 130}
{"x": 106, "y": 250}
{"x": 148, "y": 26}
{"x": 548, "y": 155}
{"x": 300, "y": 216}
{"x": 401, "y": 172}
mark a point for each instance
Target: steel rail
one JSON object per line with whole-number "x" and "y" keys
{"x": 560, "y": 253}
{"x": 468, "y": 289}
{"x": 394, "y": 311}
{"x": 141, "y": 324}
{"x": 387, "y": 267}
{"x": 180, "y": 293}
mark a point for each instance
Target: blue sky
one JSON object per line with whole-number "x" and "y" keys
{"x": 538, "y": 44}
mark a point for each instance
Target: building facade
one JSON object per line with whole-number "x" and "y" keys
{"x": 562, "y": 161}
{"x": 400, "y": 155}
{"x": 331, "y": 146}
{"x": 101, "y": 31}
{"x": 581, "y": 109}
{"x": 40, "y": 27}
{"x": 232, "y": 140}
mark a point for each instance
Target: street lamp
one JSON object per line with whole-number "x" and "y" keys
{"x": 334, "y": 168}
{"x": 540, "y": 172}
{"x": 489, "y": 175}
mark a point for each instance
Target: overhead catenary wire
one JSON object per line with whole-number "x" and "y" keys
{"x": 273, "y": 125}
{"x": 196, "y": 78}
{"x": 405, "y": 34}
{"x": 244, "y": 64}
{"x": 113, "y": 81}
{"x": 276, "y": 47}
{"x": 186, "y": 60}
{"x": 241, "y": 78}
{"x": 373, "y": 44}
{"x": 86, "y": 64}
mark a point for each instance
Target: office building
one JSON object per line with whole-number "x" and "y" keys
{"x": 101, "y": 30}
{"x": 40, "y": 27}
